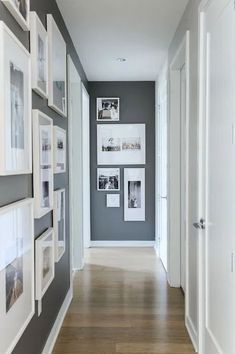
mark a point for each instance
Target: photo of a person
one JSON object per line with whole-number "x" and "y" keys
{"x": 108, "y": 179}
{"x": 108, "y": 109}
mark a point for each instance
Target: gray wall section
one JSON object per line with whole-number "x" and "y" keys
{"x": 13, "y": 188}
{"x": 137, "y": 102}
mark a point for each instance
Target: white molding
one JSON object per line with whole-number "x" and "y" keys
{"x": 192, "y": 333}
{"x": 58, "y": 324}
{"x": 156, "y": 249}
{"x": 122, "y": 244}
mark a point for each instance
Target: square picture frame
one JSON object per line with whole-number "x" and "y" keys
{"x": 59, "y": 223}
{"x": 43, "y": 178}
{"x": 39, "y": 55}
{"x": 57, "y": 95}
{"x": 17, "y": 306}
{"x": 60, "y": 150}
{"x": 108, "y": 109}
{"x": 113, "y": 200}
{"x": 15, "y": 103}
{"x": 134, "y": 194}
{"x": 19, "y": 9}
{"x": 108, "y": 179}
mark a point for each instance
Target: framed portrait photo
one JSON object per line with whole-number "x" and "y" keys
{"x": 59, "y": 150}
{"x": 113, "y": 200}
{"x": 108, "y": 109}
{"x": 16, "y": 272}
{"x": 43, "y": 163}
{"x": 45, "y": 264}
{"x": 134, "y": 194}
{"x": 20, "y": 11}
{"x": 108, "y": 179}
{"x": 39, "y": 55}
{"x": 121, "y": 144}
{"x": 57, "y": 68}
{"x": 15, "y": 103}
{"x": 59, "y": 223}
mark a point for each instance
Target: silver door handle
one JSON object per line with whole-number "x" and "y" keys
{"x": 201, "y": 225}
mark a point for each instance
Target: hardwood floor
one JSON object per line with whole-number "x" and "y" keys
{"x": 122, "y": 304}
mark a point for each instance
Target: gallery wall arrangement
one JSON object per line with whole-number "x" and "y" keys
{"x": 34, "y": 242}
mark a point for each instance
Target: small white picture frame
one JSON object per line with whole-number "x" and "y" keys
{"x": 134, "y": 194}
{"x": 42, "y": 163}
{"x": 108, "y": 179}
{"x": 20, "y": 11}
{"x": 113, "y": 200}
{"x": 57, "y": 98}
{"x": 39, "y": 55}
{"x": 108, "y": 109}
{"x": 17, "y": 305}
{"x": 60, "y": 150}
{"x": 59, "y": 223}
{"x": 45, "y": 263}
{"x": 16, "y": 105}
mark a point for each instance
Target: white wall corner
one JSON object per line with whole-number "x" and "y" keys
{"x": 192, "y": 333}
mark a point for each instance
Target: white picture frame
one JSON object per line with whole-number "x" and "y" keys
{"x": 43, "y": 178}
{"x": 134, "y": 194}
{"x": 20, "y": 11}
{"x": 60, "y": 150}
{"x": 17, "y": 305}
{"x": 44, "y": 262}
{"x": 121, "y": 144}
{"x": 16, "y": 104}
{"x": 108, "y": 109}
{"x": 57, "y": 98}
{"x": 108, "y": 179}
{"x": 59, "y": 223}
{"x": 39, "y": 55}
{"x": 113, "y": 200}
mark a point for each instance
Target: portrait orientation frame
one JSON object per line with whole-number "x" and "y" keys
{"x": 39, "y": 61}
{"x": 59, "y": 223}
{"x": 60, "y": 154}
{"x": 17, "y": 306}
{"x": 134, "y": 194}
{"x": 15, "y": 103}
{"x": 108, "y": 172}
{"x": 57, "y": 68}
{"x": 99, "y": 102}
{"x": 42, "y": 163}
{"x": 23, "y": 22}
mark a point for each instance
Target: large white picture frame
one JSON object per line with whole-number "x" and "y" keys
{"x": 39, "y": 55}
{"x": 59, "y": 223}
{"x": 20, "y": 11}
{"x": 15, "y": 103}
{"x": 121, "y": 144}
{"x": 57, "y": 68}
{"x": 60, "y": 150}
{"x": 134, "y": 194}
{"x": 43, "y": 163}
{"x": 16, "y": 272}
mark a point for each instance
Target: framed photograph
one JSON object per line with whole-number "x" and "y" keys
{"x": 59, "y": 150}
{"x": 113, "y": 200}
{"x": 108, "y": 179}
{"x": 15, "y": 103}
{"x": 45, "y": 263}
{"x": 57, "y": 68}
{"x": 39, "y": 55}
{"x": 134, "y": 194}
{"x": 108, "y": 109}
{"x": 20, "y": 11}
{"x": 121, "y": 144}
{"x": 43, "y": 163}
{"x": 16, "y": 272}
{"x": 59, "y": 223}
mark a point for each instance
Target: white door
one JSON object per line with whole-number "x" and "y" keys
{"x": 162, "y": 174}
{"x": 218, "y": 177}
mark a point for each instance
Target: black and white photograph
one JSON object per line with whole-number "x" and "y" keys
{"x": 108, "y": 109}
{"x": 134, "y": 194}
{"x": 41, "y": 60}
{"x": 20, "y": 11}
{"x": 131, "y": 144}
{"x": 45, "y": 145}
{"x": 45, "y": 188}
{"x": 59, "y": 150}
{"x": 46, "y": 261}
{"x": 108, "y": 179}
{"x": 22, "y": 7}
{"x": 111, "y": 144}
{"x": 59, "y": 223}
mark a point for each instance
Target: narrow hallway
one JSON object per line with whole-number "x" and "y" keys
{"x": 122, "y": 304}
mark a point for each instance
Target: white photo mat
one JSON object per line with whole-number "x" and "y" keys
{"x": 39, "y": 55}
{"x": 121, "y": 144}
{"x": 108, "y": 109}
{"x": 15, "y": 103}
{"x": 20, "y": 11}
{"x": 59, "y": 223}
{"x": 60, "y": 150}
{"x": 113, "y": 200}
{"x": 16, "y": 272}
{"x": 108, "y": 179}
{"x": 134, "y": 194}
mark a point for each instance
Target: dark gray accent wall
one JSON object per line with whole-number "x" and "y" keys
{"x": 137, "y": 102}
{"x": 13, "y": 188}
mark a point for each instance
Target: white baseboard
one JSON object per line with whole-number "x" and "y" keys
{"x": 156, "y": 248}
{"x": 58, "y": 324}
{"x": 122, "y": 244}
{"x": 192, "y": 333}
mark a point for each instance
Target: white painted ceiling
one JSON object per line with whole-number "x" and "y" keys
{"x": 138, "y": 30}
